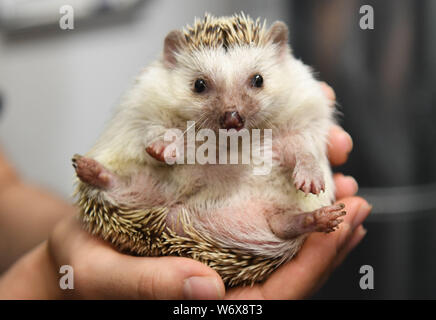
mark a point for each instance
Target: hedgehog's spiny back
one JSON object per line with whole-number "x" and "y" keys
{"x": 226, "y": 32}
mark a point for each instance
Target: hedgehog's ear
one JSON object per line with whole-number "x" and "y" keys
{"x": 174, "y": 43}
{"x": 278, "y": 34}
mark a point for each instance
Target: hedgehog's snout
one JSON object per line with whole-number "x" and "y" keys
{"x": 232, "y": 120}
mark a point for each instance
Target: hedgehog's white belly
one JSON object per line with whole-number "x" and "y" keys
{"x": 233, "y": 212}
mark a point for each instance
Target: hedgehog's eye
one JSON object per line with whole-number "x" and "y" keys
{"x": 257, "y": 81}
{"x": 200, "y": 85}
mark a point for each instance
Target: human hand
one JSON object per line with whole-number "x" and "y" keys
{"x": 101, "y": 272}
{"x": 27, "y": 214}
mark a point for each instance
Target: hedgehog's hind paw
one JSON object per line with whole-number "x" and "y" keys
{"x": 287, "y": 225}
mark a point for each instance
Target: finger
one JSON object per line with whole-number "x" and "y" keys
{"x": 357, "y": 236}
{"x": 340, "y": 141}
{"x": 299, "y": 277}
{"x": 328, "y": 91}
{"x": 354, "y": 239}
{"x": 346, "y": 186}
{"x": 102, "y": 272}
{"x": 339, "y": 146}
{"x": 130, "y": 277}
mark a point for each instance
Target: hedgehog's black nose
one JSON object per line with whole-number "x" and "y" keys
{"x": 232, "y": 120}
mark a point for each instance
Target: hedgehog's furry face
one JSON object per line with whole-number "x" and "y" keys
{"x": 229, "y": 85}
{"x": 231, "y": 89}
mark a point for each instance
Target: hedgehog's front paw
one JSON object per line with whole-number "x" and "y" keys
{"x": 308, "y": 178}
{"x": 92, "y": 172}
{"x": 162, "y": 151}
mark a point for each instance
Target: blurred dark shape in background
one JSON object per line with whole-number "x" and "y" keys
{"x": 385, "y": 83}
{"x": 385, "y": 76}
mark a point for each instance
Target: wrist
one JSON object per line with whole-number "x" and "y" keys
{"x": 33, "y": 276}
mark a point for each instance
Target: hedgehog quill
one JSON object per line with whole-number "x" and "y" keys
{"x": 222, "y": 73}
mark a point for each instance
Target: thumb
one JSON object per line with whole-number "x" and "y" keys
{"x": 176, "y": 278}
{"x": 102, "y": 272}
{"x": 115, "y": 275}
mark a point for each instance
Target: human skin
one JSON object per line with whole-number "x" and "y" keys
{"x": 28, "y": 214}
{"x": 102, "y": 272}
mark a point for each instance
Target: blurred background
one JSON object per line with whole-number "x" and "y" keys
{"x": 58, "y": 88}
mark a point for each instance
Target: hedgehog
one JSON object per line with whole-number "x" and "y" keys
{"x": 223, "y": 76}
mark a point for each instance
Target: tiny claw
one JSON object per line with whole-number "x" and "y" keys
{"x": 74, "y": 160}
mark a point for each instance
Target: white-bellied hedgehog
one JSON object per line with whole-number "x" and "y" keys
{"x": 233, "y": 76}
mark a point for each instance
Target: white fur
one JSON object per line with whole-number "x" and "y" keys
{"x": 291, "y": 101}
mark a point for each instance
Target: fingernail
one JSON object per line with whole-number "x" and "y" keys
{"x": 361, "y": 215}
{"x": 202, "y": 288}
{"x": 354, "y": 182}
{"x": 346, "y": 136}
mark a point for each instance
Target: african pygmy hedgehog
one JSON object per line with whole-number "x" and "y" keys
{"x": 225, "y": 75}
